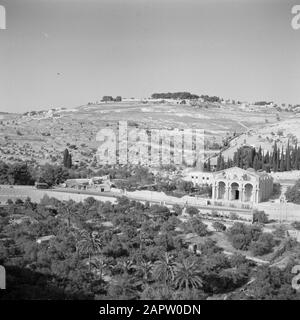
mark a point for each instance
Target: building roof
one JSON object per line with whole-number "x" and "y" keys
{"x": 250, "y": 171}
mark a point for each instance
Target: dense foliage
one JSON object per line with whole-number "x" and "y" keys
{"x": 250, "y": 237}
{"x": 110, "y": 99}
{"x": 17, "y": 173}
{"x": 127, "y": 250}
{"x": 174, "y": 95}
{"x": 293, "y": 193}
{"x": 260, "y": 217}
{"x": 53, "y": 174}
{"x": 277, "y": 160}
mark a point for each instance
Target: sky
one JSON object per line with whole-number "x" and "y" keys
{"x": 69, "y": 52}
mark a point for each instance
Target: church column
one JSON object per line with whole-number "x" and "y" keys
{"x": 241, "y": 191}
{"x": 228, "y": 192}
{"x": 256, "y": 195}
{"x": 213, "y": 191}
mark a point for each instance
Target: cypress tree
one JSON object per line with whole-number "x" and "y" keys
{"x": 249, "y": 160}
{"x": 256, "y": 163}
{"x": 235, "y": 158}
{"x": 65, "y": 158}
{"x": 253, "y": 154}
{"x": 288, "y": 157}
{"x": 69, "y": 161}
{"x": 297, "y": 161}
{"x": 282, "y": 162}
{"x": 222, "y": 163}
{"x": 278, "y": 159}
{"x": 219, "y": 160}
{"x": 274, "y": 158}
{"x": 293, "y": 157}
{"x": 267, "y": 158}
{"x": 208, "y": 165}
{"x": 260, "y": 155}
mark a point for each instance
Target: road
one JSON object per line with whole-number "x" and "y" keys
{"x": 36, "y": 195}
{"x": 256, "y": 260}
{"x": 144, "y": 199}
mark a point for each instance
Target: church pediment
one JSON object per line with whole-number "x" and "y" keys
{"x": 235, "y": 174}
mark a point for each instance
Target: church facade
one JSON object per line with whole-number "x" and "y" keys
{"x": 246, "y": 186}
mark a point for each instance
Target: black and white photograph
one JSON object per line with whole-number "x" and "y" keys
{"x": 149, "y": 151}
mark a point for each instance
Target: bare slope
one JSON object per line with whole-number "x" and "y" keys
{"x": 42, "y": 137}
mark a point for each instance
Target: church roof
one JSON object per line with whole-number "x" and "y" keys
{"x": 249, "y": 171}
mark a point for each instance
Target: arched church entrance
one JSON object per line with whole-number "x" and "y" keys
{"x": 221, "y": 190}
{"x": 248, "y": 195}
{"x": 235, "y": 192}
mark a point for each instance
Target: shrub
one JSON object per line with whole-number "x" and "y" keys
{"x": 233, "y": 216}
{"x": 260, "y": 217}
{"x": 296, "y": 225}
{"x": 293, "y": 193}
{"x": 241, "y": 235}
{"x": 19, "y": 201}
{"x": 237, "y": 260}
{"x": 279, "y": 231}
{"x": 263, "y": 245}
{"x": 192, "y": 211}
{"x": 214, "y": 213}
{"x": 209, "y": 247}
{"x": 219, "y": 226}
{"x": 195, "y": 225}
{"x": 276, "y": 190}
{"x": 177, "y": 209}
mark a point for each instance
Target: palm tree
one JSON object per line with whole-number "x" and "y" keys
{"x": 144, "y": 268}
{"x": 126, "y": 266}
{"x": 156, "y": 292}
{"x": 89, "y": 243}
{"x": 68, "y": 211}
{"x": 89, "y": 206}
{"x": 164, "y": 268}
{"x": 187, "y": 275}
{"x": 99, "y": 265}
{"x": 124, "y": 287}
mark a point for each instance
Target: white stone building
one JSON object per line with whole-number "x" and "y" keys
{"x": 236, "y": 184}
{"x": 199, "y": 177}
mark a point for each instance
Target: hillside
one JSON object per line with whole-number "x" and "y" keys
{"x": 281, "y": 132}
{"x": 41, "y": 137}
